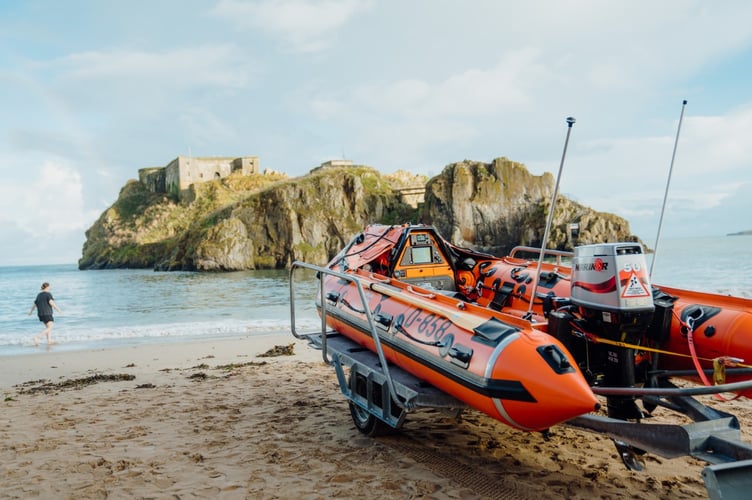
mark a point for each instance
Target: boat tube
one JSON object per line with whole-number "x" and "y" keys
{"x": 499, "y": 364}
{"x": 467, "y": 322}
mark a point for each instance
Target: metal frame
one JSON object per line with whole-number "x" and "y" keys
{"x": 559, "y": 254}
{"x": 397, "y": 390}
{"x": 713, "y": 436}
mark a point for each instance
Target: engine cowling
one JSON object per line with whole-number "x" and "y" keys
{"x": 611, "y": 287}
{"x": 612, "y": 294}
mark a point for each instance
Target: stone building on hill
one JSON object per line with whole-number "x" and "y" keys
{"x": 177, "y": 177}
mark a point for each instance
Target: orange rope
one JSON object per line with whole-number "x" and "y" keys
{"x": 719, "y": 366}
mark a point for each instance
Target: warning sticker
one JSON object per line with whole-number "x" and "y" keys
{"x": 634, "y": 287}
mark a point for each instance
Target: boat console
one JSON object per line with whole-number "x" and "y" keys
{"x": 422, "y": 261}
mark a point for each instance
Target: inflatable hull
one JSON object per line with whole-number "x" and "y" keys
{"x": 722, "y": 325}
{"x": 498, "y": 365}
{"x": 503, "y": 287}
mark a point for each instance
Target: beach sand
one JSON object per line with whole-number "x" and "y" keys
{"x": 215, "y": 420}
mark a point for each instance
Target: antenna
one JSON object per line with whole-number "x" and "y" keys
{"x": 536, "y": 276}
{"x": 665, "y": 195}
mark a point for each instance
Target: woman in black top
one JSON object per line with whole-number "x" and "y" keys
{"x": 44, "y": 304}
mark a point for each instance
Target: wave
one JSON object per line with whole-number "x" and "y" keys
{"x": 74, "y": 339}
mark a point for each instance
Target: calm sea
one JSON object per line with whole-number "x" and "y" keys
{"x": 104, "y": 308}
{"x": 121, "y": 306}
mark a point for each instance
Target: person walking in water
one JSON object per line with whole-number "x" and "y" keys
{"x": 44, "y": 304}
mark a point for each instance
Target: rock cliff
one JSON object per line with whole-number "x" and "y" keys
{"x": 268, "y": 221}
{"x": 233, "y": 224}
{"x": 493, "y": 207}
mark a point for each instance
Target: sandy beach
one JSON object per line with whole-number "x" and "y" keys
{"x": 217, "y": 420}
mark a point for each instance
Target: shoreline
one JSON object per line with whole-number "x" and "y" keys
{"x": 56, "y": 362}
{"x": 214, "y": 419}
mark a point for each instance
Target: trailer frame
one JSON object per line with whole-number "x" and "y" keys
{"x": 377, "y": 389}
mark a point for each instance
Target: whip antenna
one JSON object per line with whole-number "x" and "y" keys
{"x": 665, "y": 195}
{"x": 536, "y": 278}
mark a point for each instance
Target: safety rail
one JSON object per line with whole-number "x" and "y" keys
{"x": 371, "y": 324}
{"x": 559, "y": 254}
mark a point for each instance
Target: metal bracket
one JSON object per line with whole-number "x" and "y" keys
{"x": 412, "y": 392}
{"x": 729, "y": 481}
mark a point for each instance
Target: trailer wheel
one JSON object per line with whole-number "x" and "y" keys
{"x": 365, "y": 422}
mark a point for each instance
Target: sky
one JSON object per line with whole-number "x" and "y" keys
{"x": 92, "y": 91}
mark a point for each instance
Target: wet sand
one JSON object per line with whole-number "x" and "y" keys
{"x": 216, "y": 420}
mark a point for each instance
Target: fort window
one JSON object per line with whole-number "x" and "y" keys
{"x": 217, "y": 176}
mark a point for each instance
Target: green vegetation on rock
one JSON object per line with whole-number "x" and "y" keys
{"x": 242, "y": 222}
{"x": 268, "y": 221}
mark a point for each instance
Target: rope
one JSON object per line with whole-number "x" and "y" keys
{"x": 719, "y": 364}
{"x": 719, "y": 367}
{"x": 728, "y": 361}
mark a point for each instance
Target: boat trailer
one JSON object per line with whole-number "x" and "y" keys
{"x": 381, "y": 394}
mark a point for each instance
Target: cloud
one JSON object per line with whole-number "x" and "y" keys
{"x": 42, "y": 213}
{"x": 717, "y": 143}
{"x": 155, "y": 100}
{"x": 222, "y": 65}
{"x": 509, "y": 85}
{"x": 392, "y": 84}
{"x": 48, "y": 205}
{"x": 629, "y": 176}
{"x": 626, "y": 46}
{"x": 96, "y": 93}
{"x": 411, "y": 120}
{"x": 305, "y": 26}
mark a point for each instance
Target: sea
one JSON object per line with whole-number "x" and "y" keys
{"x": 139, "y": 306}
{"x": 113, "y": 307}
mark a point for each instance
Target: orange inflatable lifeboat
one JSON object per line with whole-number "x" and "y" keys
{"x": 597, "y": 303}
{"x": 600, "y": 303}
{"x": 718, "y": 328}
{"x": 499, "y": 364}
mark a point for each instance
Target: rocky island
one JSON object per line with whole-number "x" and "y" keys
{"x": 223, "y": 214}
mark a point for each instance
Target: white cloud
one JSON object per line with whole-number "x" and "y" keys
{"x": 50, "y": 204}
{"x": 105, "y": 95}
{"x": 222, "y": 65}
{"x": 407, "y": 121}
{"x": 42, "y": 213}
{"x": 718, "y": 143}
{"x": 306, "y": 26}
{"x": 630, "y": 45}
{"x": 415, "y": 85}
{"x": 628, "y": 176}
{"x": 508, "y": 85}
{"x": 326, "y": 108}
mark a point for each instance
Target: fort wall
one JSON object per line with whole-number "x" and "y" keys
{"x": 177, "y": 177}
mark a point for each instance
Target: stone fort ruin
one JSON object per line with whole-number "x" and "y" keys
{"x": 181, "y": 173}
{"x": 177, "y": 177}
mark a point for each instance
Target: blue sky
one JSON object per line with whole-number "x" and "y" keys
{"x": 92, "y": 91}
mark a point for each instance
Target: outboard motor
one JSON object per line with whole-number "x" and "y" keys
{"x": 612, "y": 293}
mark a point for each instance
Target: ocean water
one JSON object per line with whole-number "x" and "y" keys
{"x": 720, "y": 265}
{"x": 121, "y": 306}
{"x": 111, "y": 307}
